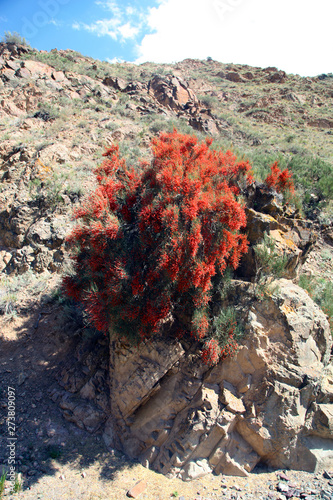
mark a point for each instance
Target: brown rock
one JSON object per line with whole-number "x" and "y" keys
{"x": 195, "y": 470}
{"x": 278, "y": 77}
{"x": 8, "y": 74}
{"x": 58, "y": 76}
{"x": 321, "y": 123}
{"x": 23, "y": 73}
{"x": 181, "y": 420}
{"x": 13, "y": 64}
{"x": 233, "y": 404}
{"x": 13, "y": 49}
{"x": 38, "y": 69}
{"x": 54, "y": 153}
{"x": 320, "y": 420}
{"x": 135, "y": 88}
{"x": 116, "y": 83}
{"x": 5, "y": 258}
{"x": 270, "y": 69}
{"x": 286, "y": 246}
{"x": 235, "y": 77}
{"x": 204, "y": 123}
{"x": 171, "y": 92}
{"x": 292, "y": 237}
{"x": 137, "y": 489}
{"x": 11, "y": 109}
{"x": 85, "y": 415}
{"x": 259, "y": 223}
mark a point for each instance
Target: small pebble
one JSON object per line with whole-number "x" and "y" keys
{"x": 283, "y": 476}
{"x": 283, "y": 487}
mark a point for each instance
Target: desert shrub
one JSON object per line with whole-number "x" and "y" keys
{"x": 222, "y": 343}
{"x": 167, "y": 124}
{"x": 209, "y": 101}
{"x": 56, "y": 60}
{"x": 270, "y": 264}
{"x": 151, "y": 244}
{"x": 15, "y": 38}
{"x": 321, "y": 291}
{"x": 11, "y": 288}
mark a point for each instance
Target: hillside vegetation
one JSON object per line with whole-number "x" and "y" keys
{"x": 60, "y": 109}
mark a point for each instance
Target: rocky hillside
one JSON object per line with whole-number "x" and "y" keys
{"x": 58, "y": 111}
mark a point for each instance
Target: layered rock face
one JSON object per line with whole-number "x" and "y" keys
{"x": 272, "y": 402}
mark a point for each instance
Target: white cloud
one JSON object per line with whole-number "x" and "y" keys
{"x": 102, "y": 27}
{"x": 130, "y": 11}
{"x": 294, "y": 36}
{"x": 128, "y": 31}
{"x": 55, "y": 22}
{"x": 109, "y": 5}
{"x": 125, "y": 24}
{"x": 109, "y": 27}
{"x": 115, "y": 60}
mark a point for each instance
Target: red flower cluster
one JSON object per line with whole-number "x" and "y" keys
{"x": 212, "y": 352}
{"x": 281, "y": 181}
{"x": 149, "y": 241}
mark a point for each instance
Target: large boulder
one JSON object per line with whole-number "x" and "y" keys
{"x": 272, "y": 402}
{"x": 267, "y": 215}
{"x": 172, "y": 92}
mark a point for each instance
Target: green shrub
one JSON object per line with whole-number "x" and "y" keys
{"x": 15, "y": 38}
{"x": 312, "y": 176}
{"x": 270, "y": 264}
{"x": 321, "y": 291}
{"x": 2, "y": 482}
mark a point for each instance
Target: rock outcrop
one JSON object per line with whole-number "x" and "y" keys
{"x": 272, "y": 402}
{"x": 172, "y": 92}
{"x": 83, "y": 377}
{"x": 293, "y": 237}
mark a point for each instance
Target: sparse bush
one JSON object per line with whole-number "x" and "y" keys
{"x": 158, "y": 125}
{"x": 321, "y": 291}
{"x": 210, "y": 101}
{"x": 270, "y": 264}
{"x": 15, "y": 38}
{"x": 12, "y": 286}
{"x": 150, "y": 241}
{"x": 225, "y": 333}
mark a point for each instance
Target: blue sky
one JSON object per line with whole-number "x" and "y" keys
{"x": 294, "y": 35}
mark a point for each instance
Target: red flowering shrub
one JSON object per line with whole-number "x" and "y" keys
{"x": 279, "y": 180}
{"x": 149, "y": 241}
